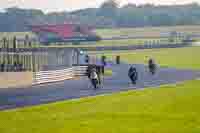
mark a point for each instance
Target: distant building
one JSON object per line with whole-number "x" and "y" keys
{"x": 74, "y": 33}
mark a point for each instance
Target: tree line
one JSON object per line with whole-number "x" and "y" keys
{"x": 108, "y": 15}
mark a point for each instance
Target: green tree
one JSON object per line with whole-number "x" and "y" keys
{"x": 109, "y": 9}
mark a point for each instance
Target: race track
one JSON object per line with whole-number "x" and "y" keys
{"x": 71, "y": 89}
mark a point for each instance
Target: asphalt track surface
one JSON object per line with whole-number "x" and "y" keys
{"x": 73, "y": 89}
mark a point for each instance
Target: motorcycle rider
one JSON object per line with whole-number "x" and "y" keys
{"x": 94, "y": 77}
{"x": 133, "y": 74}
{"x": 152, "y": 66}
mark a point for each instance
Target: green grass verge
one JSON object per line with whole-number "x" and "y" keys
{"x": 124, "y": 42}
{"x": 153, "y": 32}
{"x": 145, "y": 31}
{"x": 179, "y": 57}
{"x": 148, "y": 31}
{"x": 172, "y": 108}
{"x": 108, "y": 72}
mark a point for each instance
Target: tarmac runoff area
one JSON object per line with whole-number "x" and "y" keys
{"x": 74, "y": 89}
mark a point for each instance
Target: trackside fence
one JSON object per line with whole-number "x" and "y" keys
{"x": 42, "y": 77}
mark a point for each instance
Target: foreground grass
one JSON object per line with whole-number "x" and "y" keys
{"x": 179, "y": 57}
{"x": 174, "y": 109}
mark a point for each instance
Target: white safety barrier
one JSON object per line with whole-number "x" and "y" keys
{"x": 42, "y": 77}
{"x": 80, "y": 70}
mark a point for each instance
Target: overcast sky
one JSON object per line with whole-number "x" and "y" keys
{"x": 68, "y": 5}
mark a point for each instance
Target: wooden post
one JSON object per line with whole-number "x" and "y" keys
{"x": 25, "y": 53}
{"x": 7, "y": 54}
{"x": 4, "y": 46}
{"x": 33, "y": 62}
{"x": 24, "y": 61}
{"x": 103, "y": 60}
{"x": 118, "y": 59}
{"x": 1, "y": 55}
{"x": 14, "y": 44}
{"x": 78, "y": 56}
{"x": 26, "y": 41}
{"x": 38, "y": 62}
{"x": 14, "y": 51}
{"x": 26, "y": 67}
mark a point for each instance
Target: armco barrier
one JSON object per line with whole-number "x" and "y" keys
{"x": 42, "y": 77}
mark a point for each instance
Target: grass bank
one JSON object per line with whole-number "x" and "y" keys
{"x": 187, "y": 58}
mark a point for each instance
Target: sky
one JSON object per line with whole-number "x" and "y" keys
{"x": 69, "y": 5}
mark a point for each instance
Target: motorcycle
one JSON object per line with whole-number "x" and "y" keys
{"x": 95, "y": 83}
{"x": 152, "y": 68}
{"x": 133, "y": 75}
{"x": 94, "y": 78}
